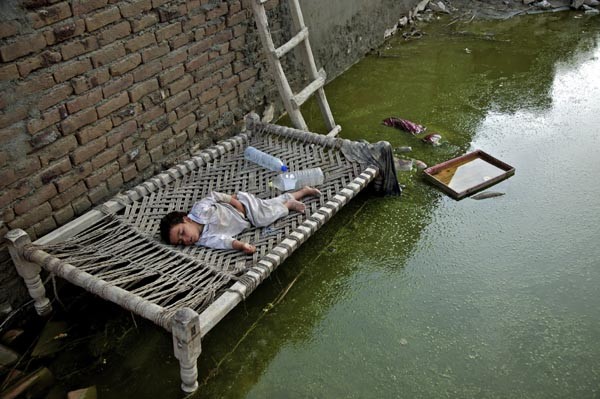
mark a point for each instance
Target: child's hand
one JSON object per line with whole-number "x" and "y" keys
{"x": 248, "y": 248}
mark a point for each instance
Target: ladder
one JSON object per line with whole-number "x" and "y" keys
{"x": 291, "y": 101}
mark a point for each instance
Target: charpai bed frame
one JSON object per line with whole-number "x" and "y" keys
{"x": 114, "y": 251}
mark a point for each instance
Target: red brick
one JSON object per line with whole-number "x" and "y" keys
{"x": 99, "y": 193}
{"x": 82, "y": 118}
{"x": 187, "y": 108}
{"x": 113, "y": 104}
{"x": 9, "y": 72}
{"x": 129, "y": 172}
{"x": 108, "y": 54}
{"x": 183, "y": 123}
{"x": 143, "y": 162}
{"x": 229, "y": 83}
{"x": 125, "y": 114}
{"x": 134, "y": 8}
{"x": 139, "y": 42}
{"x": 102, "y": 18}
{"x": 156, "y": 154}
{"x": 65, "y": 31}
{"x": 64, "y": 198}
{"x": 119, "y": 134}
{"x": 53, "y": 171}
{"x": 9, "y": 28}
{"x": 170, "y": 12}
{"x": 117, "y": 85}
{"x": 209, "y": 95}
{"x": 76, "y": 175}
{"x": 87, "y": 151}
{"x": 43, "y": 138}
{"x": 89, "y": 81}
{"x": 71, "y": 69}
{"x": 180, "y": 40}
{"x": 174, "y": 58}
{"x": 80, "y": 205}
{"x": 243, "y": 87}
{"x": 151, "y": 114}
{"x": 7, "y": 177}
{"x": 239, "y": 30}
{"x": 200, "y": 47}
{"x": 54, "y": 96}
{"x": 196, "y": 62}
{"x": 140, "y": 90}
{"x": 33, "y": 216}
{"x": 40, "y": 196}
{"x": 57, "y": 150}
{"x": 218, "y": 11}
{"x": 35, "y": 84}
{"x": 158, "y": 138}
{"x": 180, "y": 85}
{"x": 29, "y": 65}
{"x": 24, "y": 45}
{"x": 85, "y": 6}
{"x": 193, "y": 22}
{"x": 170, "y": 75}
{"x": 224, "y": 98}
{"x": 234, "y": 7}
{"x": 168, "y": 31}
{"x": 146, "y": 71}
{"x": 78, "y": 47}
{"x": 63, "y": 215}
{"x": 237, "y": 18}
{"x": 175, "y": 101}
{"x": 214, "y": 26}
{"x": 126, "y": 64}
{"x": 96, "y": 130}
{"x": 143, "y": 22}
{"x": 49, "y": 15}
{"x": 114, "y": 182}
{"x": 85, "y": 100}
{"x": 115, "y": 32}
{"x": 100, "y": 176}
{"x": 106, "y": 156}
{"x": 48, "y": 118}
{"x": 198, "y": 88}
{"x": 237, "y": 44}
{"x": 154, "y": 52}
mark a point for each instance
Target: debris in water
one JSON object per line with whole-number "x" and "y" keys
{"x": 433, "y": 139}
{"x": 403, "y": 165}
{"x": 487, "y": 194}
{"x": 404, "y": 124}
{"x": 467, "y": 50}
{"x": 403, "y": 341}
{"x": 420, "y": 165}
{"x": 403, "y": 149}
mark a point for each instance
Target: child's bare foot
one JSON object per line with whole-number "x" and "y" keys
{"x": 311, "y": 191}
{"x": 294, "y": 205}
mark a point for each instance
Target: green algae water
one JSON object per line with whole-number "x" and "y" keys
{"x": 423, "y": 296}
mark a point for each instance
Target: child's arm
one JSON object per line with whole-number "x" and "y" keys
{"x": 229, "y": 199}
{"x": 243, "y": 246}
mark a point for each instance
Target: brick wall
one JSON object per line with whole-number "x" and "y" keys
{"x": 97, "y": 95}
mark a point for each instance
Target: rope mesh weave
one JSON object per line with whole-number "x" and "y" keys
{"x": 124, "y": 249}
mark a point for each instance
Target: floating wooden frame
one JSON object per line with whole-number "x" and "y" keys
{"x": 465, "y": 175}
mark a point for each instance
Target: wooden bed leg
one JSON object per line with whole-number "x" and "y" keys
{"x": 187, "y": 347}
{"x": 30, "y": 272}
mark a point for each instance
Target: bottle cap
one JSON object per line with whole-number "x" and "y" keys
{"x": 284, "y": 168}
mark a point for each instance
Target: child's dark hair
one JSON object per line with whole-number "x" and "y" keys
{"x": 168, "y": 221}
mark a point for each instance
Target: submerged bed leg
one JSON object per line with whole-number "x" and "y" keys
{"x": 186, "y": 343}
{"x": 30, "y": 272}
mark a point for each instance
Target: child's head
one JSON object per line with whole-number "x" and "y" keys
{"x": 177, "y": 229}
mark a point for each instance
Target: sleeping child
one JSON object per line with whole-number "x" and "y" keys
{"x": 215, "y": 220}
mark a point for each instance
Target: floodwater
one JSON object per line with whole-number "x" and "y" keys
{"x": 423, "y": 296}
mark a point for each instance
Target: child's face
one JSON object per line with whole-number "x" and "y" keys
{"x": 186, "y": 233}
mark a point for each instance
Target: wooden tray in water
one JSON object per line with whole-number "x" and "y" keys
{"x": 469, "y": 173}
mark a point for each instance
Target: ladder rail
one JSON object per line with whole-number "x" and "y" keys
{"x": 291, "y": 101}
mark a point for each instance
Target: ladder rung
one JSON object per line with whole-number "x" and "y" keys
{"x": 293, "y": 42}
{"x": 315, "y": 85}
{"x": 334, "y": 132}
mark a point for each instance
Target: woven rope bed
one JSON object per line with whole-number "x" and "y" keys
{"x": 114, "y": 251}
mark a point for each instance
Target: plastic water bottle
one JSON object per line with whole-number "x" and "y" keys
{"x": 294, "y": 180}
{"x": 265, "y": 160}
